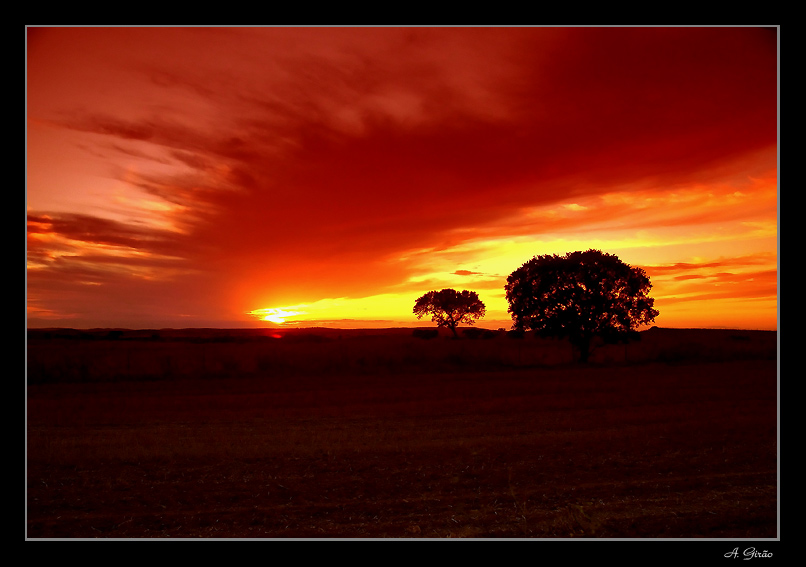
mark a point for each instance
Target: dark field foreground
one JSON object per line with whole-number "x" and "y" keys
{"x": 672, "y": 437}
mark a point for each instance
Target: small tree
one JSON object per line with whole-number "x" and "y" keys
{"x": 580, "y": 296}
{"x": 448, "y": 308}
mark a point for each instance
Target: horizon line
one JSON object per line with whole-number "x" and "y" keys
{"x": 318, "y": 327}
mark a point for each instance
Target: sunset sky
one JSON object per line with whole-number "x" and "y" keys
{"x": 217, "y": 177}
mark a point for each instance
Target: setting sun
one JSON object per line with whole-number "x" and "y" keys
{"x": 275, "y": 314}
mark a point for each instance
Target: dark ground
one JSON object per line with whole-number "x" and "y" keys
{"x": 353, "y": 437}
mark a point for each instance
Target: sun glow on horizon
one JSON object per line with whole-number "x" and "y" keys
{"x": 276, "y": 315}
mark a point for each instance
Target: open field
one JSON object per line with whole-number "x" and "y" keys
{"x": 379, "y": 434}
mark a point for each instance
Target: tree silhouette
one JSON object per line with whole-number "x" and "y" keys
{"x": 449, "y": 307}
{"x": 580, "y": 296}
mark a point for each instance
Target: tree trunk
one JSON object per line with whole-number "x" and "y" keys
{"x": 584, "y": 346}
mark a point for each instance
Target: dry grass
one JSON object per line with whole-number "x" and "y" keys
{"x": 675, "y": 449}
{"x": 176, "y": 355}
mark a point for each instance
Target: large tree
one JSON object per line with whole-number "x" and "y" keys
{"x": 579, "y": 296}
{"x": 449, "y": 307}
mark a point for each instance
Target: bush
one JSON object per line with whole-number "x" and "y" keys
{"x": 473, "y": 333}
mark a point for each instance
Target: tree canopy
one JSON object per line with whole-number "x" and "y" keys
{"x": 448, "y": 308}
{"x": 579, "y": 296}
